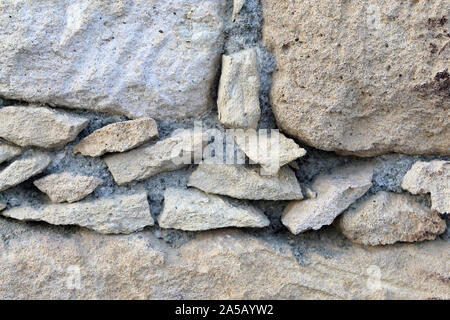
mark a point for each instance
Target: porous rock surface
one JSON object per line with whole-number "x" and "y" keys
{"x": 39, "y": 126}
{"x": 387, "y": 217}
{"x": 137, "y": 58}
{"x": 430, "y": 177}
{"x": 241, "y": 182}
{"x": 215, "y": 265}
{"x": 67, "y": 187}
{"x": 335, "y": 192}
{"x": 194, "y": 210}
{"x": 359, "y": 77}
{"x": 121, "y": 214}
{"x": 118, "y": 137}
{"x": 165, "y": 155}
{"x": 24, "y": 168}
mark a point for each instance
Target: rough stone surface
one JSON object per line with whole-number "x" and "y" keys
{"x": 137, "y": 58}
{"x": 194, "y": 210}
{"x": 2, "y": 206}
{"x": 118, "y": 137}
{"x": 237, "y": 7}
{"x": 387, "y": 217}
{"x": 335, "y": 193}
{"x": 67, "y": 187}
{"x": 121, "y": 214}
{"x": 22, "y": 169}
{"x": 270, "y": 151}
{"x": 215, "y": 265}
{"x": 349, "y": 73}
{"x": 241, "y": 182}
{"x": 39, "y": 126}
{"x": 238, "y": 95}
{"x": 430, "y": 177}
{"x": 169, "y": 154}
{"x": 8, "y": 152}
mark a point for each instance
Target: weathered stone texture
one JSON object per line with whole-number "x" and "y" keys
{"x": 430, "y": 177}
{"x": 154, "y": 58}
{"x": 121, "y": 214}
{"x": 118, "y": 137}
{"x": 387, "y": 217}
{"x": 194, "y": 210}
{"x": 39, "y": 126}
{"x": 215, "y": 265}
{"x": 67, "y": 187}
{"x": 238, "y": 95}
{"x": 241, "y": 182}
{"x": 336, "y": 191}
{"x": 362, "y": 77}
{"x": 22, "y": 169}
{"x": 169, "y": 154}
{"x": 8, "y": 152}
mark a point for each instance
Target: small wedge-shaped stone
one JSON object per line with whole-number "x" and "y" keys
{"x": 2, "y": 206}
{"x": 194, "y": 210}
{"x": 241, "y": 182}
{"x": 121, "y": 214}
{"x": 23, "y": 169}
{"x": 335, "y": 193}
{"x": 430, "y": 177}
{"x": 237, "y": 7}
{"x": 118, "y": 137}
{"x": 238, "y": 96}
{"x": 8, "y": 152}
{"x": 170, "y": 154}
{"x": 39, "y": 126}
{"x": 67, "y": 187}
{"x": 271, "y": 151}
{"x": 387, "y": 217}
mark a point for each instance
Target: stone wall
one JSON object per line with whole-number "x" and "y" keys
{"x": 103, "y": 193}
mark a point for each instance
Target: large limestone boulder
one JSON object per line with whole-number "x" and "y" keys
{"x": 137, "y": 58}
{"x": 360, "y": 77}
{"x": 80, "y": 264}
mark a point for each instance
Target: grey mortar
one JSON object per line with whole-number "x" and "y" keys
{"x": 243, "y": 33}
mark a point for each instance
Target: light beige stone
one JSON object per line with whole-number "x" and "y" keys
{"x": 270, "y": 151}
{"x": 39, "y": 126}
{"x": 169, "y": 154}
{"x": 238, "y": 96}
{"x": 121, "y": 214}
{"x": 241, "y": 182}
{"x": 8, "y": 152}
{"x": 430, "y": 177}
{"x": 237, "y": 7}
{"x": 194, "y": 210}
{"x": 361, "y": 77}
{"x": 2, "y": 206}
{"x": 220, "y": 264}
{"x": 118, "y": 137}
{"x": 335, "y": 193}
{"x": 157, "y": 59}
{"x": 387, "y": 217}
{"x": 22, "y": 169}
{"x": 67, "y": 187}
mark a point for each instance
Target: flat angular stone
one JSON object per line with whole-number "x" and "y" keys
{"x": 67, "y": 187}
{"x": 238, "y": 96}
{"x": 335, "y": 193}
{"x": 118, "y": 137}
{"x": 194, "y": 210}
{"x": 271, "y": 152}
{"x": 8, "y": 152}
{"x": 430, "y": 177}
{"x": 387, "y": 217}
{"x": 241, "y": 182}
{"x": 121, "y": 214}
{"x": 137, "y": 58}
{"x": 23, "y": 169}
{"x": 237, "y": 7}
{"x": 169, "y": 154}
{"x": 2, "y": 206}
{"x": 361, "y": 77}
{"x": 39, "y": 126}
